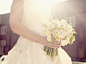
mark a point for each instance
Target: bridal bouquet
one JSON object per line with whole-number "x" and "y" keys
{"x": 61, "y": 31}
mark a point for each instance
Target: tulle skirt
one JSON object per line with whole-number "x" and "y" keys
{"x": 28, "y": 52}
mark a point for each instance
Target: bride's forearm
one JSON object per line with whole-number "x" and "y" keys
{"x": 22, "y": 30}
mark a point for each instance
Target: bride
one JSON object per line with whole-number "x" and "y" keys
{"x": 25, "y": 20}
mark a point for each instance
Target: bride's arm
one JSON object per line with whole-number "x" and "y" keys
{"x": 20, "y": 29}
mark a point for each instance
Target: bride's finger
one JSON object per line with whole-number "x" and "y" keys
{"x": 57, "y": 44}
{"x": 54, "y": 46}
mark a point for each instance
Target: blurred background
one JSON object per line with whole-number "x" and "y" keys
{"x": 74, "y": 11}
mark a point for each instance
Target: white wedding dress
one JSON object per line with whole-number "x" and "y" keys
{"x": 26, "y": 51}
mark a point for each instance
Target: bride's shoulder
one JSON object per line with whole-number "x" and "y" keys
{"x": 17, "y": 2}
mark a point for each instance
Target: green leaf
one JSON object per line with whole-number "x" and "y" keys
{"x": 44, "y": 25}
{"x": 57, "y": 28}
{"x": 75, "y": 33}
{"x": 46, "y": 49}
{"x": 57, "y": 52}
{"x": 71, "y": 40}
{"x": 52, "y": 41}
{"x": 51, "y": 52}
{"x": 52, "y": 36}
{"x": 73, "y": 30}
{"x": 71, "y": 24}
{"x": 64, "y": 38}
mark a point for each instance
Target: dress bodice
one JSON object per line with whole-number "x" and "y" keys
{"x": 35, "y": 12}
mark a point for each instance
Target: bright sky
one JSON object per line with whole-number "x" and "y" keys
{"x": 5, "y": 5}
{"x": 51, "y": 1}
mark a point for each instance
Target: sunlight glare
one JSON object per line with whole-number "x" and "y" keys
{"x": 51, "y": 1}
{"x": 5, "y": 6}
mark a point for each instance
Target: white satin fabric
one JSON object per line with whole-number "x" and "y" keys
{"x": 26, "y": 51}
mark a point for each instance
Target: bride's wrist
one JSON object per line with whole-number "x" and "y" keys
{"x": 44, "y": 41}
{"x": 40, "y": 40}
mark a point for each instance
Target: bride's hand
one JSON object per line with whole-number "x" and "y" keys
{"x": 57, "y": 43}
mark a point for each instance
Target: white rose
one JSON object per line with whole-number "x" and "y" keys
{"x": 50, "y": 25}
{"x": 57, "y": 32}
{"x": 63, "y": 34}
{"x": 49, "y": 38}
{"x": 69, "y": 28}
{"x": 64, "y": 42}
{"x": 58, "y": 25}
{"x": 63, "y": 21}
{"x": 47, "y": 32}
{"x": 55, "y": 21}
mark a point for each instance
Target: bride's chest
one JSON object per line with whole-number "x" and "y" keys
{"x": 35, "y": 7}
